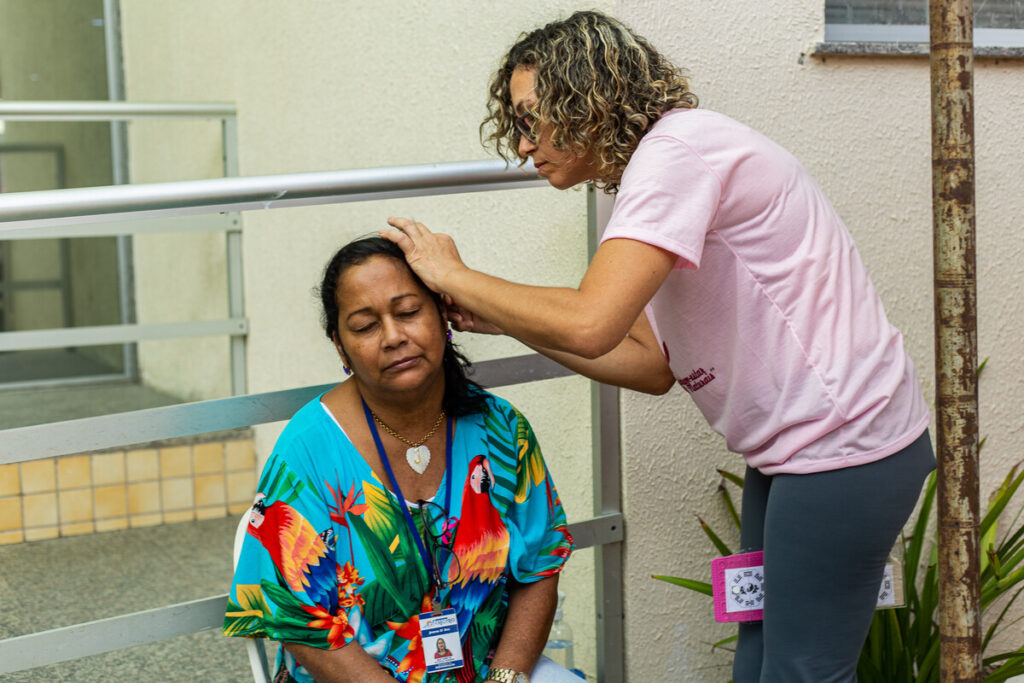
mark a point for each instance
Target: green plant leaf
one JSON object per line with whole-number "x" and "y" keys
{"x": 734, "y": 478}
{"x": 1001, "y": 586}
{"x": 867, "y": 672}
{"x": 1001, "y": 498}
{"x": 876, "y": 642}
{"x": 729, "y": 506}
{"x": 698, "y": 586}
{"x": 925, "y": 639}
{"x": 928, "y": 669}
{"x": 915, "y": 546}
{"x": 894, "y": 638}
{"x": 722, "y": 547}
{"x": 995, "y": 624}
{"x": 1013, "y": 665}
{"x": 731, "y": 639}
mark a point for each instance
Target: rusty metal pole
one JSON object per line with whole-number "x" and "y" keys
{"x": 956, "y": 338}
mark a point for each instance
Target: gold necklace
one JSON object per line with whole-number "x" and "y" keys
{"x": 417, "y": 455}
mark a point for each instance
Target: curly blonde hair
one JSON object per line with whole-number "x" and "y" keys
{"x": 599, "y": 86}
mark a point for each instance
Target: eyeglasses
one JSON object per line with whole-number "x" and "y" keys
{"x": 524, "y": 126}
{"x": 434, "y": 516}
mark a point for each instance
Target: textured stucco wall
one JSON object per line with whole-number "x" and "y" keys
{"x": 319, "y": 86}
{"x": 862, "y": 127}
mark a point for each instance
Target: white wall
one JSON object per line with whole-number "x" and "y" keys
{"x": 327, "y": 85}
{"x": 862, "y": 127}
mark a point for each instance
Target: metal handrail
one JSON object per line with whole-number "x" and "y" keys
{"x": 66, "y": 643}
{"x": 22, "y": 444}
{"x": 26, "y": 210}
{"x": 102, "y": 110}
{"x": 38, "y": 210}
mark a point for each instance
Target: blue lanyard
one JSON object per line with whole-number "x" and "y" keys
{"x": 428, "y": 561}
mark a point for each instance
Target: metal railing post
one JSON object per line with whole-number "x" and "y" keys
{"x": 607, "y": 473}
{"x": 233, "y": 254}
{"x": 956, "y": 339}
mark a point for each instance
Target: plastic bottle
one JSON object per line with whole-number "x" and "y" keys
{"x": 559, "y": 645}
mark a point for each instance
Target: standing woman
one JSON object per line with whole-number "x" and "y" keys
{"x": 725, "y": 268}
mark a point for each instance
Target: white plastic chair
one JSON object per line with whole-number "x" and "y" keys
{"x": 253, "y": 646}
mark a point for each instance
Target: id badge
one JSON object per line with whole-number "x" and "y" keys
{"x": 737, "y": 583}
{"x": 442, "y": 648}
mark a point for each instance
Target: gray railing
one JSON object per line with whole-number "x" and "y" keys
{"x": 36, "y": 213}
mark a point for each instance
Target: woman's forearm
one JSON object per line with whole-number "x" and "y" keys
{"x": 531, "y": 608}
{"x": 588, "y": 321}
{"x": 348, "y": 664}
{"x": 556, "y": 318}
{"x": 636, "y": 363}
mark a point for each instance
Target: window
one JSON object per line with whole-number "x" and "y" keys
{"x": 997, "y": 23}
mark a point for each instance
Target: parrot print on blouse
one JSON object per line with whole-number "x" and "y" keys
{"x": 298, "y": 551}
{"x": 481, "y": 540}
{"x": 331, "y": 558}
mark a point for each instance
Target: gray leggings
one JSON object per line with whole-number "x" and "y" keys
{"x": 825, "y": 537}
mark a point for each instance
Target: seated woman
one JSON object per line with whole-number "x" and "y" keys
{"x": 403, "y": 506}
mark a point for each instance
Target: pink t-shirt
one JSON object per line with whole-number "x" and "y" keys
{"x": 769, "y": 319}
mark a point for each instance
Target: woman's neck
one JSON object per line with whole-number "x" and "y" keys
{"x": 414, "y": 411}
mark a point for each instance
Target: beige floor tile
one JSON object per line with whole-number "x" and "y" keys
{"x": 76, "y": 529}
{"x": 208, "y": 458}
{"x": 108, "y": 468}
{"x": 74, "y": 472}
{"x": 38, "y": 476}
{"x": 241, "y": 486}
{"x": 175, "y": 461}
{"x": 145, "y": 520}
{"x": 42, "y": 533}
{"x": 177, "y": 494}
{"x": 211, "y": 512}
{"x": 10, "y": 480}
{"x": 75, "y": 506}
{"x": 179, "y": 516}
{"x": 115, "y": 524}
{"x": 8, "y": 537}
{"x": 39, "y": 509}
{"x": 239, "y": 455}
{"x": 238, "y": 508}
{"x": 10, "y": 513}
{"x": 210, "y": 490}
{"x": 142, "y": 464}
{"x": 110, "y": 501}
{"x": 143, "y": 498}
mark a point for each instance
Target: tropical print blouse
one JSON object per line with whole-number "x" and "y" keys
{"x": 329, "y": 557}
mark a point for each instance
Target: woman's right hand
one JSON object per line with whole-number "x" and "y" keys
{"x": 433, "y": 256}
{"x": 464, "y": 320}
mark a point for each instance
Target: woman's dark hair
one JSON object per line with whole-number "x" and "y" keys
{"x": 462, "y": 396}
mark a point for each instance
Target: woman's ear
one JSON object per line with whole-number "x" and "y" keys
{"x": 443, "y": 302}
{"x": 340, "y": 349}
{"x": 442, "y": 308}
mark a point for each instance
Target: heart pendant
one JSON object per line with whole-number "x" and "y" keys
{"x": 418, "y": 458}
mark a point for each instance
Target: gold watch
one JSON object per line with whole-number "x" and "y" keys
{"x": 507, "y": 676}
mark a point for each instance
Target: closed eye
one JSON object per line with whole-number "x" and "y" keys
{"x": 364, "y": 328}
